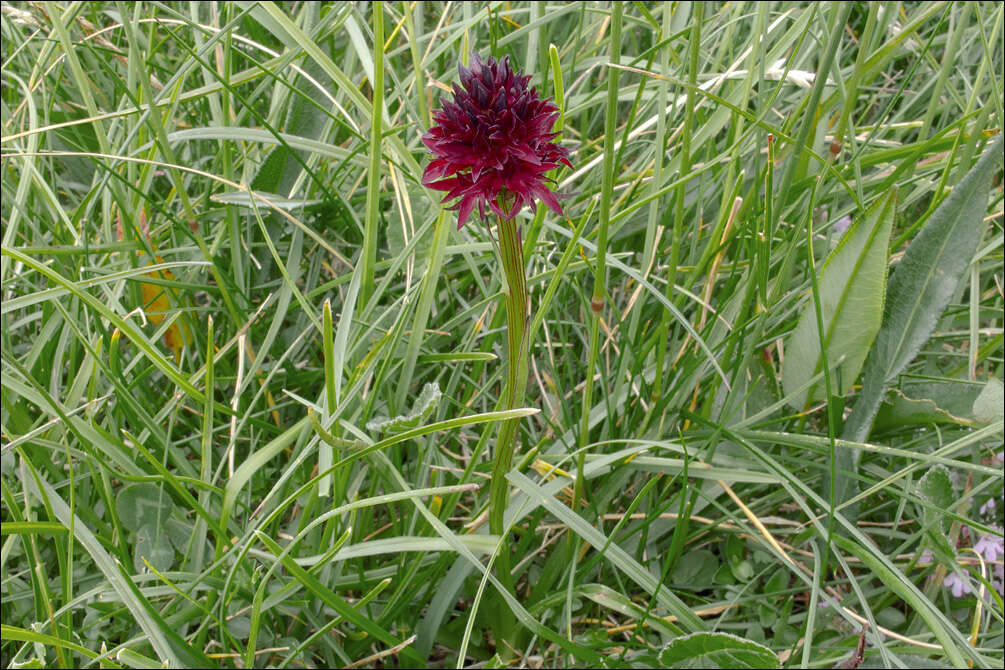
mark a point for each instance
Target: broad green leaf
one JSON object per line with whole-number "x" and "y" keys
{"x": 852, "y": 287}
{"x": 736, "y": 557}
{"x": 717, "y": 650}
{"x": 891, "y": 617}
{"x": 154, "y": 546}
{"x": 918, "y": 292}
{"x": 990, "y": 403}
{"x": 923, "y": 284}
{"x": 143, "y": 504}
{"x": 928, "y": 402}
{"x": 936, "y": 489}
{"x": 144, "y": 509}
{"x": 179, "y": 531}
{"x": 696, "y": 569}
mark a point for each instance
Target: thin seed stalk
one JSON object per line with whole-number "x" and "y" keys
{"x": 517, "y": 316}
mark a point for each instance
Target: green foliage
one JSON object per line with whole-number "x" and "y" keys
{"x": 928, "y": 402}
{"x": 716, "y": 650}
{"x": 148, "y": 511}
{"x": 304, "y": 483}
{"x": 918, "y": 293}
{"x": 925, "y": 281}
{"x": 935, "y": 488}
{"x": 989, "y": 405}
{"x": 852, "y": 288}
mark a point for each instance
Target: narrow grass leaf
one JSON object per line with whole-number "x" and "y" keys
{"x": 138, "y": 607}
{"x": 617, "y": 556}
{"x": 324, "y": 594}
{"x": 21, "y": 635}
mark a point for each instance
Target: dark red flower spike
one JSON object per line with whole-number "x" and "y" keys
{"x": 492, "y": 144}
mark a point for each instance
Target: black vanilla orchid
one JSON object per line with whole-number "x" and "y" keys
{"x": 492, "y": 145}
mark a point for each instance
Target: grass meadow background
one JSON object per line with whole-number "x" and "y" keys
{"x": 230, "y": 439}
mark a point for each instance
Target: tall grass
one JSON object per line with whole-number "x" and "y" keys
{"x": 251, "y": 370}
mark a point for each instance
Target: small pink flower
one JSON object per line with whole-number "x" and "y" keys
{"x": 828, "y": 601}
{"x": 958, "y": 583}
{"x": 990, "y": 546}
{"x": 492, "y": 144}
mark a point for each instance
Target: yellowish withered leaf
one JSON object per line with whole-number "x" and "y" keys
{"x": 159, "y": 301}
{"x": 157, "y": 304}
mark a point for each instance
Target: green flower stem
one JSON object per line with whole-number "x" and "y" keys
{"x": 517, "y": 345}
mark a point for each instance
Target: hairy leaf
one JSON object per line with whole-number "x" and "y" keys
{"x": 717, "y": 650}
{"x": 852, "y": 288}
